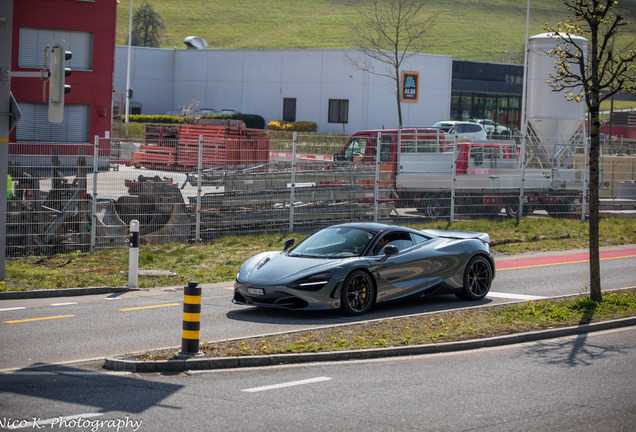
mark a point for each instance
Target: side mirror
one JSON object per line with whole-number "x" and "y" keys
{"x": 288, "y": 244}
{"x": 388, "y": 251}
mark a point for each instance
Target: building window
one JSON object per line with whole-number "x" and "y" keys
{"x": 502, "y": 109}
{"x": 338, "y": 111}
{"x": 34, "y": 125}
{"x": 289, "y": 109}
{"x": 33, "y": 41}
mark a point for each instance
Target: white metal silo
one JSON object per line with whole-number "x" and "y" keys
{"x": 555, "y": 121}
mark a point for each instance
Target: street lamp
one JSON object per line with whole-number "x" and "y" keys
{"x": 508, "y": 52}
{"x": 128, "y": 64}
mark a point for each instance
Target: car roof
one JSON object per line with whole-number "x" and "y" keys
{"x": 377, "y": 227}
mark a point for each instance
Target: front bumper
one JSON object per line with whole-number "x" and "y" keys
{"x": 284, "y": 297}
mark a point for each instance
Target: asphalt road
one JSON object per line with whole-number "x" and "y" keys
{"x": 54, "y": 330}
{"x": 579, "y": 383}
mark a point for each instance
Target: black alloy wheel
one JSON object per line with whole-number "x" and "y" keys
{"x": 477, "y": 279}
{"x": 358, "y": 293}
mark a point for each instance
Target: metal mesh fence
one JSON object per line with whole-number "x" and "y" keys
{"x": 69, "y": 197}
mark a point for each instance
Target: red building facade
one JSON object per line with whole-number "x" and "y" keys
{"x": 88, "y": 29}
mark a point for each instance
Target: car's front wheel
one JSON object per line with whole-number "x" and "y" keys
{"x": 477, "y": 279}
{"x": 358, "y": 293}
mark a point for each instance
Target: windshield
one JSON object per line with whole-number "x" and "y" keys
{"x": 356, "y": 149}
{"x": 334, "y": 242}
{"x": 443, "y": 126}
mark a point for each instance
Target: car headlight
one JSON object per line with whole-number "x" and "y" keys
{"x": 312, "y": 283}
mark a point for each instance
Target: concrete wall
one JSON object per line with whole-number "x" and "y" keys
{"x": 152, "y": 77}
{"x": 257, "y": 81}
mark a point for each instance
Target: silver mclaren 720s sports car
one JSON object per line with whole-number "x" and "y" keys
{"x": 353, "y": 266}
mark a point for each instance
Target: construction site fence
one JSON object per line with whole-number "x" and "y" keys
{"x": 64, "y": 198}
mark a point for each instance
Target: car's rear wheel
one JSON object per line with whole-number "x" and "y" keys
{"x": 477, "y": 279}
{"x": 358, "y": 293}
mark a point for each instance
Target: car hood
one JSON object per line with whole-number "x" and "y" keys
{"x": 276, "y": 268}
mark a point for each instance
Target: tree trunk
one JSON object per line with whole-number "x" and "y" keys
{"x": 594, "y": 105}
{"x": 398, "y": 95}
{"x": 595, "y": 270}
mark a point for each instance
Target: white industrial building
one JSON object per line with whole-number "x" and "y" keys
{"x": 322, "y": 86}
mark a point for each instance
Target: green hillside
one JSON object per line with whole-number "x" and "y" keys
{"x": 465, "y": 29}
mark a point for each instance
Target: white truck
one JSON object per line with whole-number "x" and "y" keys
{"x": 483, "y": 177}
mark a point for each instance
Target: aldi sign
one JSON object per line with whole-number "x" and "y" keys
{"x": 410, "y": 82}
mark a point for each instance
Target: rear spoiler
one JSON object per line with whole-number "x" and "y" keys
{"x": 484, "y": 237}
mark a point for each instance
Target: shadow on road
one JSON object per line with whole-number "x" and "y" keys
{"x": 69, "y": 390}
{"x": 571, "y": 353}
{"x": 396, "y": 309}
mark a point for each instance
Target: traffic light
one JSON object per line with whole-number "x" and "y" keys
{"x": 57, "y": 75}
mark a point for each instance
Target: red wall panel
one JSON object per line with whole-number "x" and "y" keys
{"x": 93, "y": 87}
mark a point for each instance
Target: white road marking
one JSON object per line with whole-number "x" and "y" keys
{"x": 63, "y": 304}
{"x": 54, "y": 421}
{"x": 287, "y": 384}
{"x": 515, "y": 296}
{"x": 12, "y": 309}
{"x": 56, "y": 372}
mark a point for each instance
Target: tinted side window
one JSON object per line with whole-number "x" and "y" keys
{"x": 401, "y": 240}
{"x": 417, "y": 238}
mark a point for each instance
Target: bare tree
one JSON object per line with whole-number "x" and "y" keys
{"x": 593, "y": 77}
{"x": 390, "y": 31}
{"x": 148, "y": 26}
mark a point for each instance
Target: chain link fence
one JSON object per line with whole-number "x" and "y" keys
{"x": 69, "y": 197}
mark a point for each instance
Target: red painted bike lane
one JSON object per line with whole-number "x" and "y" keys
{"x": 510, "y": 264}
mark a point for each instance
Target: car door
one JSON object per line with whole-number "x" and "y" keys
{"x": 405, "y": 272}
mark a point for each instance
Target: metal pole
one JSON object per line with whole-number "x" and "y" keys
{"x": 128, "y": 64}
{"x": 94, "y": 198}
{"x": 6, "y": 19}
{"x": 197, "y": 237}
{"x": 524, "y": 120}
{"x": 523, "y": 180}
{"x": 586, "y": 170}
{"x": 133, "y": 254}
{"x": 292, "y": 184}
{"x": 376, "y": 186}
{"x": 453, "y": 180}
{"x": 508, "y": 52}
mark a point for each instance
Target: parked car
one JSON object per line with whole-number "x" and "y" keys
{"x": 465, "y": 130}
{"x": 353, "y": 266}
{"x": 492, "y": 128}
{"x": 444, "y": 125}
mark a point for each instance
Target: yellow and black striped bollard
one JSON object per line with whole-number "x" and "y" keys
{"x": 191, "y": 320}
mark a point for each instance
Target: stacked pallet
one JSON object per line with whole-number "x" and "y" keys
{"x": 222, "y": 145}
{"x": 213, "y": 145}
{"x": 159, "y": 150}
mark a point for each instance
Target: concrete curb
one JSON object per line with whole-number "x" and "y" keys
{"x": 179, "y": 365}
{"x": 66, "y": 292}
